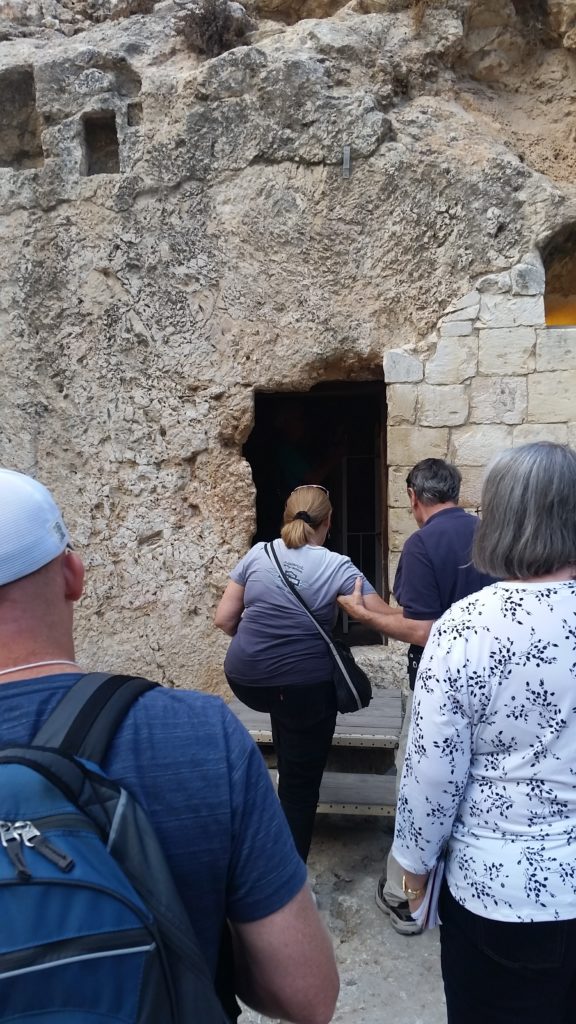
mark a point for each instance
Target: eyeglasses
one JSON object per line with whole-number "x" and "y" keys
{"x": 319, "y": 486}
{"x": 478, "y": 511}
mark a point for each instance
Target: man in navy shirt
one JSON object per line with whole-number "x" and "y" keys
{"x": 434, "y": 571}
{"x": 187, "y": 760}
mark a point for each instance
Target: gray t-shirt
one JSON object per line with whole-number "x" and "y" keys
{"x": 276, "y": 642}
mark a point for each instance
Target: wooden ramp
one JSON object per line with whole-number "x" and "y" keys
{"x": 355, "y": 793}
{"x": 377, "y": 726}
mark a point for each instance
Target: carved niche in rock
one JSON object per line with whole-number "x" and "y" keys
{"x": 20, "y": 121}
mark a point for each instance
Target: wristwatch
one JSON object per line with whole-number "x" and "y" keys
{"x": 412, "y": 894}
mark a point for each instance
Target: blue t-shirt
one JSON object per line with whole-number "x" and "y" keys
{"x": 203, "y": 783}
{"x": 276, "y": 642}
{"x": 435, "y": 567}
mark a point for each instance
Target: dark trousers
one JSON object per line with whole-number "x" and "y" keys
{"x": 500, "y": 972}
{"x": 414, "y": 657}
{"x": 303, "y": 719}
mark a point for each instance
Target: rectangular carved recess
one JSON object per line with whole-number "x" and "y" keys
{"x": 20, "y": 122}
{"x": 101, "y": 149}
{"x": 134, "y": 114}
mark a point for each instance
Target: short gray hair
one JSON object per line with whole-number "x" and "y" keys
{"x": 528, "y": 526}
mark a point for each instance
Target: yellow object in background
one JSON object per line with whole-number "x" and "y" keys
{"x": 560, "y": 310}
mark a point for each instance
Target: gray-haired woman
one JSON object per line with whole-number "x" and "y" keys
{"x": 490, "y": 771}
{"x": 278, "y": 661}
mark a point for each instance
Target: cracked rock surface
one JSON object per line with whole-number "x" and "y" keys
{"x": 177, "y": 232}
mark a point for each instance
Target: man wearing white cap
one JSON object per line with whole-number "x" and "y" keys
{"x": 187, "y": 761}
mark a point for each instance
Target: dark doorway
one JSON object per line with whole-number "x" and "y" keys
{"x": 330, "y": 435}
{"x": 101, "y": 150}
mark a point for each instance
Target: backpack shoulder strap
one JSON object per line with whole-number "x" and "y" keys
{"x": 89, "y": 714}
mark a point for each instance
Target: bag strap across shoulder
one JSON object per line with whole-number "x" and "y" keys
{"x": 336, "y": 654}
{"x": 267, "y": 549}
{"x": 89, "y": 714}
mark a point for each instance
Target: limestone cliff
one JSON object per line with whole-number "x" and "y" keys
{"x": 177, "y": 232}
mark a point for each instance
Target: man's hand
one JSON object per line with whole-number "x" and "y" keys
{"x": 378, "y": 615}
{"x": 353, "y": 604}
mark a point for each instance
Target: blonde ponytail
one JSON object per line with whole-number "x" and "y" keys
{"x": 307, "y": 507}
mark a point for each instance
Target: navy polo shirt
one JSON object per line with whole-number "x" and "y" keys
{"x": 435, "y": 567}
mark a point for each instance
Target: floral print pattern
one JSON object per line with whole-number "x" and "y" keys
{"x": 490, "y": 771}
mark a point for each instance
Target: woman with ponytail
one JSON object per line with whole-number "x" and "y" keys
{"x": 277, "y": 661}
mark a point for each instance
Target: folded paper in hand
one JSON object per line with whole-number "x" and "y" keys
{"x": 427, "y": 913}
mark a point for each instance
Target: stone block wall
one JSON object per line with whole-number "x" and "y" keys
{"x": 491, "y": 376}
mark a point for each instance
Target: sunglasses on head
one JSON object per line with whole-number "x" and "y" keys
{"x": 319, "y": 486}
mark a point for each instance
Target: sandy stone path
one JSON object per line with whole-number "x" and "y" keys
{"x": 385, "y": 977}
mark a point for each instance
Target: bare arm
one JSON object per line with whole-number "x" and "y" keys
{"x": 230, "y": 608}
{"x": 378, "y": 615}
{"x": 285, "y": 964}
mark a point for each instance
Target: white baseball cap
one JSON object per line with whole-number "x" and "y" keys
{"x": 32, "y": 530}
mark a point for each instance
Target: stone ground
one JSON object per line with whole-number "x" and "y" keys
{"x": 383, "y": 975}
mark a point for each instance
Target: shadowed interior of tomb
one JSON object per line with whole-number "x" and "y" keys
{"x": 559, "y": 258}
{"x": 101, "y": 149}
{"x": 331, "y": 435}
{"x": 20, "y": 121}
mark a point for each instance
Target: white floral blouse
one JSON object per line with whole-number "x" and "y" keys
{"x": 491, "y": 762}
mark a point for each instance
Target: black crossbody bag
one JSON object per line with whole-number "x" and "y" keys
{"x": 353, "y": 688}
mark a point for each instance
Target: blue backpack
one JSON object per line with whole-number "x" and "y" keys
{"x": 93, "y": 930}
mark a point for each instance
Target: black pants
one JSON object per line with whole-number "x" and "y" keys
{"x": 499, "y": 972}
{"x": 303, "y": 719}
{"x": 414, "y": 657}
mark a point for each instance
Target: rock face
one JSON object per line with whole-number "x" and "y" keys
{"x": 178, "y": 233}
{"x": 30, "y": 17}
